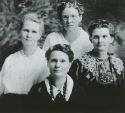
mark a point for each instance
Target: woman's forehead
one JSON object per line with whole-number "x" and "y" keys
{"x": 101, "y": 31}
{"x": 70, "y": 10}
{"x": 58, "y": 54}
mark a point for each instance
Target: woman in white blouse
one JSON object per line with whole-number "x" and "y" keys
{"x": 26, "y": 67}
{"x": 70, "y": 15}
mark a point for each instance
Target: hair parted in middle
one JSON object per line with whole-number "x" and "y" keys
{"x": 33, "y": 16}
{"x": 63, "y": 48}
{"x": 101, "y": 23}
{"x": 69, "y": 3}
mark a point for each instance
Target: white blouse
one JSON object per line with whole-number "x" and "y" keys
{"x": 20, "y": 72}
{"x": 81, "y": 45}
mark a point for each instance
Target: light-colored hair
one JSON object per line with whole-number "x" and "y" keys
{"x": 32, "y": 16}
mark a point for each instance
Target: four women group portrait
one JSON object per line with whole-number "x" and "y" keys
{"x": 73, "y": 71}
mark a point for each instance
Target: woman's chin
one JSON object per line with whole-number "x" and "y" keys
{"x": 59, "y": 75}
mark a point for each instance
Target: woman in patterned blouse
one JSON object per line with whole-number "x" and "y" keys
{"x": 99, "y": 74}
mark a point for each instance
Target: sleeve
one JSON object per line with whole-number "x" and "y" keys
{"x": 37, "y": 96}
{"x": 36, "y": 92}
{"x": 122, "y": 78}
{"x": 120, "y": 71}
{"x": 45, "y": 71}
{"x": 2, "y": 74}
{"x": 75, "y": 70}
{"x": 33, "y": 97}
{"x": 122, "y": 89}
{"x": 1, "y": 79}
{"x": 33, "y": 90}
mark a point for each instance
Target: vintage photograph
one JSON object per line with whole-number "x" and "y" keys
{"x": 62, "y": 56}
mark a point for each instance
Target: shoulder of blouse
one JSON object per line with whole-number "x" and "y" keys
{"x": 117, "y": 63}
{"x": 53, "y": 34}
{"x": 74, "y": 66}
{"x": 88, "y": 62}
{"x": 12, "y": 58}
{"x": 50, "y": 37}
{"x": 37, "y": 88}
{"x": 84, "y": 32}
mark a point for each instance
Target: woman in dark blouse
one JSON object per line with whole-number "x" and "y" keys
{"x": 98, "y": 74}
{"x": 56, "y": 91}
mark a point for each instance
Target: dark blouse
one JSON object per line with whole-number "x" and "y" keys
{"x": 101, "y": 86}
{"x": 40, "y": 99}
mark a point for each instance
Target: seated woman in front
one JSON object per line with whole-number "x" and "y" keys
{"x": 56, "y": 89}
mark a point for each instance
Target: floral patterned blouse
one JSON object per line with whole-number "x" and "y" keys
{"x": 101, "y": 80}
{"x": 107, "y": 71}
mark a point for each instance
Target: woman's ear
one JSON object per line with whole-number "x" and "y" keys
{"x": 111, "y": 39}
{"x": 90, "y": 38}
{"x": 80, "y": 18}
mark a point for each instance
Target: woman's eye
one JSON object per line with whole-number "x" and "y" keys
{"x": 53, "y": 60}
{"x": 63, "y": 61}
{"x": 73, "y": 16}
{"x": 34, "y": 32}
{"x": 105, "y": 36}
{"x": 65, "y": 17}
{"x": 26, "y": 30}
{"x": 95, "y": 37}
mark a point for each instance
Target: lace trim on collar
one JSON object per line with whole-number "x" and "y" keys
{"x": 90, "y": 63}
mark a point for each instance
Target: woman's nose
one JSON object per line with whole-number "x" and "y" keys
{"x": 29, "y": 34}
{"x": 100, "y": 39}
{"x": 58, "y": 64}
{"x": 69, "y": 19}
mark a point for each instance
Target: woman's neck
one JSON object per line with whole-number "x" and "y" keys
{"x": 71, "y": 35}
{"x": 58, "y": 82}
{"x": 101, "y": 54}
{"x": 29, "y": 50}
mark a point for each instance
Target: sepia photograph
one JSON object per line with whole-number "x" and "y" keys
{"x": 62, "y": 56}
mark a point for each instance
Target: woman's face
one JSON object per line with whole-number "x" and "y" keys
{"x": 70, "y": 18}
{"x": 30, "y": 33}
{"x": 101, "y": 39}
{"x": 58, "y": 63}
